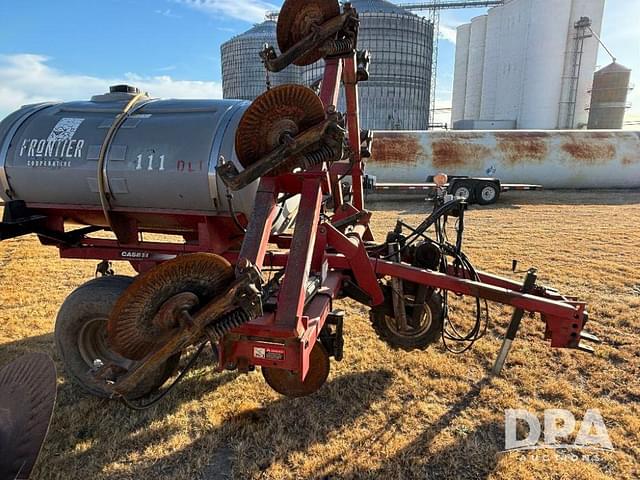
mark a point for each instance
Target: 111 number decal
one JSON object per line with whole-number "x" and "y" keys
{"x": 139, "y": 165}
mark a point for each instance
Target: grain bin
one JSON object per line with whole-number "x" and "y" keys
{"x": 609, "y": 97}
{"x": 508, "y": 62}
{"x": 492, "y": 58}
{"x": 536, "y": 64}
{"x": 463, "y": 32}
{"x": 475, "y": 67}
{"x": 396, "y": 96}
{"x": 243, "y": 74}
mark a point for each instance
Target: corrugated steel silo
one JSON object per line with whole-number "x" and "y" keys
{"x": 463, "y": 35}
{"x": 396, "y": 96}
{"x": 243, "y": 74}
{"x": 609, "y": 97}
{"x": 475, "y": 67}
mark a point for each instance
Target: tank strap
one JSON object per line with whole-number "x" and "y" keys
{"x": 105, "y": 201}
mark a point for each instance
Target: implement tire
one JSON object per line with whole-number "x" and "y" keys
{"x": 420, "y": 336}
{"x": 81, "y": 337}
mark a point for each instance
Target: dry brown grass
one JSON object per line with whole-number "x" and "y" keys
{"x": 382, "y": 414}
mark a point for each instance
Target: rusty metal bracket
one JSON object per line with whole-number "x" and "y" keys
{"x": 244, "y": 294}
{"x": 324, "y": 142}
{"x": 397, "y": 291}
{"x": 323, "y": 39}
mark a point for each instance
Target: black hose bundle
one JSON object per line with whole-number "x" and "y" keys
{"x": 461, "y": 264}
{"x": 449, "y": 331}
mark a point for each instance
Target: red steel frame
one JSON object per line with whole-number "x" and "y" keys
{"x": 296, "y": 325}
{"x": 316, "y": 246}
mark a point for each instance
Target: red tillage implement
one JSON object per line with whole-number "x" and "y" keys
{"x": 213, "y": 288}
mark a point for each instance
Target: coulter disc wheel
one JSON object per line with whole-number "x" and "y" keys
{"x": 299, "y": 18}
{"x": 289, "y": 384}
{"x": 144, "y": 318}
{"x": 286, "y": 109}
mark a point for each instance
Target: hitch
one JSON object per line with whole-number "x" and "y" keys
{"x": 19, "y": 220}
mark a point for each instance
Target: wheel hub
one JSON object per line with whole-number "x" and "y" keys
{"x": 488, "y": 193}
{"x": 155, "y": 306}
{"x": 93, "y": 345}
{"x": 286, "y": 110}
{"x": 299, "y": 18}
{"x": 463, "y": 192}
{"x": 416, "y": 325}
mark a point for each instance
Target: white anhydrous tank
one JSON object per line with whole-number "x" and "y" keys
{"x": 475, "y": 67}
{"x": 555, "y": 159}
{"x": 460, "y": 74}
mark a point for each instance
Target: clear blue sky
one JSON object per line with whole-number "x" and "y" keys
{"x": 65, "y": 49}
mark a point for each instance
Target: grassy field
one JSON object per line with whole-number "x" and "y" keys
{"x": 382, "y": 414}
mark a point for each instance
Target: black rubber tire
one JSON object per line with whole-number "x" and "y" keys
{"x": 467, "y": 185}
{"x": 481, "y": 188}
{"x": 84, "y": 309}
{"x": 381, "y": 318}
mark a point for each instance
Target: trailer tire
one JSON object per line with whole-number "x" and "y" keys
{"x": 80, "y": 336}
{"x": 488, "y": 193}
{"x": 464, "y": 189}
{"x": 384, "y": 326}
